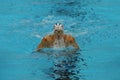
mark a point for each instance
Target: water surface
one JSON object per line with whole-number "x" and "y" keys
{"x": 94, "y": 24}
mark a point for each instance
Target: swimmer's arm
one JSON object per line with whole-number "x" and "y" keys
{"x": 73, "y": 43}
{"x": 43, "y": 44}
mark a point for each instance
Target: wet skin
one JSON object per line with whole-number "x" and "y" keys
{"x": 48, "y": 41}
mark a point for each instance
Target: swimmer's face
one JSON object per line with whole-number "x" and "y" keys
{"x": 58, "y": 29}
{"x": 58, "y": 32}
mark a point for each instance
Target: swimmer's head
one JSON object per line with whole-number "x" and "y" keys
{"x": 58, "y": 29}
{"x": 58, "y": 26}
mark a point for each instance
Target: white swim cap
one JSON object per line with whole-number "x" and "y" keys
{"x": 58, "y": 26}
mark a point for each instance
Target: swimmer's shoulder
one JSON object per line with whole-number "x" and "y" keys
{"x": 68, "y": 37}
{"x": 48, "y": 37}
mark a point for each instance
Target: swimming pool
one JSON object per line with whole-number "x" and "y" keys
{"x": 94, "y": 24}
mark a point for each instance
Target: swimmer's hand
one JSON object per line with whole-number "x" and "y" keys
{"x": 37, "y": 50}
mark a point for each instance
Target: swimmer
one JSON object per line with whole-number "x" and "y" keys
{"x": 58, "y": 39}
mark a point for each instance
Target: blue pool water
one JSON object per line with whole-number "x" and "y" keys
{"x": 93, "y": 23}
